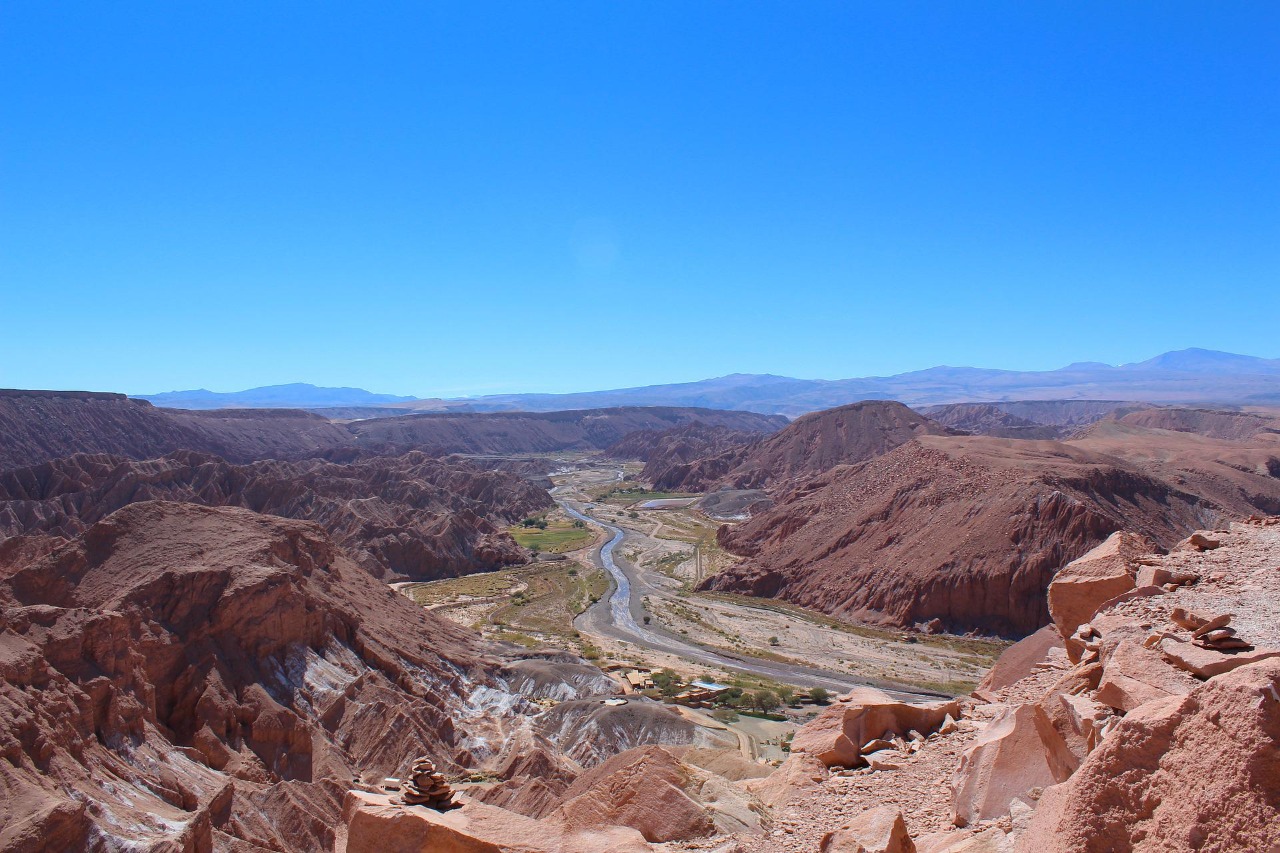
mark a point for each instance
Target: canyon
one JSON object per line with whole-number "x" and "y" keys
{"x": 271, "y": 630}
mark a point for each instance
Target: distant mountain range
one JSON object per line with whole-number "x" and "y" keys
{"x": 1190, "y": 376}
{"x": 297, "y": 395}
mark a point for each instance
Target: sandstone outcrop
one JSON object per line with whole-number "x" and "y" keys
{"x": 405, "y": 517}
{"x": 1086, "y": 583}
{"x": 1006, "y": 761}
{"x": 874, "y": 831}
{"x": 1121, "y": 751}
{"x": 644, "y": 789}
{"x": 1185, "y": 773}
{"x": 798, "y": 777}
{"x": 838, "y": 735}
{"x": 1021, "y": 660}
{"x": 373, "y": 824}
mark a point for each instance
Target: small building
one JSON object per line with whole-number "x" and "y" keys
{"x": 700, "y": 694}
{"x": 638, "y": 680}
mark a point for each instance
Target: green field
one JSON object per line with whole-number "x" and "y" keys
{"x": 560, "y": 536}
{"x": 625, "y": 497}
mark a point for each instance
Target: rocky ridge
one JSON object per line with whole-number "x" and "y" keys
{"x": 1127, "y": 744}
{"x": 405, "y": 517}
{"x": 808, "y": 446}
{"x": 43, "y": 425}
{"x": 969, "y": 530}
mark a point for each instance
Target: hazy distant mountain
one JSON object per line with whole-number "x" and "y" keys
{"x": 1185, "y": 376}
{"x": 297, "y": 395}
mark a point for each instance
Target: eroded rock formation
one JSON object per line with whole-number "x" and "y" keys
{"x": 406, "y": 517}
{"x": 194, "y": 674}
{"x": 970, "y": 530}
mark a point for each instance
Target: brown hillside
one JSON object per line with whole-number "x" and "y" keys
{"x": 970, "y": 529}
{"x": 990, "y": 419}
{"x": 410, "y": 516}
{"x": 808, "y": 446}
{"x": 41, "y": 425}
{"x": 544, "y": 432}
{"x": 1236, "y": 426}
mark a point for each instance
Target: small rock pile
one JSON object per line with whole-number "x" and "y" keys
{"x": 427, "y": 787}
{"x": 1209, "y": 632}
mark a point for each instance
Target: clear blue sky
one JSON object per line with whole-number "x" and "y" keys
{"x": 458, "y": 197}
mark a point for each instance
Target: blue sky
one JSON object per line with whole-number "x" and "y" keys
{"x": 428, "y": 198}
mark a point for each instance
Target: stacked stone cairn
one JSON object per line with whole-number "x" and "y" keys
{"x": 1210, "y": 632}
{"x": 427, "y": 787}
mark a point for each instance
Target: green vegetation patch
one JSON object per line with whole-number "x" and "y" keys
{"x": 638, "y": 494}
{"x": 552, "y": 536}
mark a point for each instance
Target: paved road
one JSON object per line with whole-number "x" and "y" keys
{"x": 620, "y": 616}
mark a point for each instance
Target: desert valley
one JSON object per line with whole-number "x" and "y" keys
{"x": 958, "y": 628}
{"x": 666, "y": 427}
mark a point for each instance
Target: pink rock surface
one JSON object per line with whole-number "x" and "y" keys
{"x": 880, "y": 830}
{"x": 1086, "y": 583}
{"x": 643, "y": 789}
{"x": 375, "y": 825}
{"x": 1008, "y": 760}
{"x": 1206, "y": 663}
{"x": 835, "y": 737}
{"x": 1134, "y": 675}
{"x": 1020, "y": 660}
{"x": 1199, "y": 772}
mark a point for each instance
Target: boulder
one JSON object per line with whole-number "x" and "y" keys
{"x": 1206, "y": 663}
{"x": 1070, "y": 726}
{"x": 1134, "y": 675}
{"x": 1199, "y": 772}
{"x": 878, "y": 830}
{"x": 1007, "y": 760}
{"x": 799, "y": 776}
{"x": 1157, "y": 575}
{"x": 1200, "y": 542}
{"x": 1085, "y": 584}
{"x": 988, "y": 840}
{"x": 374, "y": 824}
{"x": 1020, "y": 660}
{"x": 642, "y": 788}
{"x": 835, "y": 737}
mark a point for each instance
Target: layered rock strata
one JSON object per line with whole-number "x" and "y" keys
{"x": 405, "y": 517}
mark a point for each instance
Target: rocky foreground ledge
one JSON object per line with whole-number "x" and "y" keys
{"x": 1145, "y": 719}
